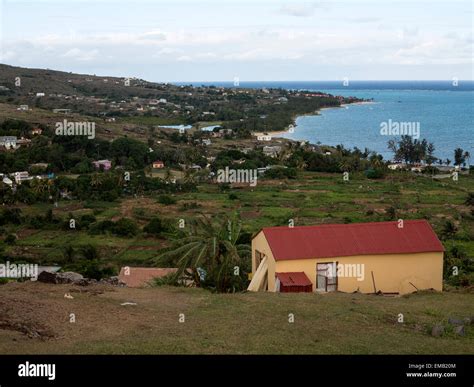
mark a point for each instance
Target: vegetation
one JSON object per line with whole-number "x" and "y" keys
{"x": 210, "y": 255}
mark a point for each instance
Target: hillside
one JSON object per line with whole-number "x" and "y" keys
{"x": 249, "y": 323}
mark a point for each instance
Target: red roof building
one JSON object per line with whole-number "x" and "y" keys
{"x": 343, "y": 240}
{"x": 390, "y": 257}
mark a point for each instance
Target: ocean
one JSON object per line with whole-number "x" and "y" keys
{"x": 443, "y": 112}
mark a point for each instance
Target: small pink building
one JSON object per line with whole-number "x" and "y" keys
{"x": 102, "y": 164}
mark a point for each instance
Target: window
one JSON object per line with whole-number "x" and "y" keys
{"x": 258, "y": 258}
{"x": 326, "y": 276}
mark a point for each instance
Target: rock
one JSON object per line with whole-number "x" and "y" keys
{"x": 459, "y": 330}
{"x": 455, "y": 321}
{"x": 114, "y": 281}
{"x": 438, "y": 330}
{"x": 59, "y": 278}
{"x": 47, "y": 277}
{"x": 82, "y": 282}
{"x": 68, "y": 277}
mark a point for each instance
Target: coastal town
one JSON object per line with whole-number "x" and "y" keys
{"x": 105, "y": 181}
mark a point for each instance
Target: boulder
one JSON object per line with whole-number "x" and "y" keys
{"x": 59, "y": 278}
{"x": 438, "y": 330}
{"x": 114, "y": 281}
{"x": 455, "y": 321}
{"x": 459, "y": 330}
{"x": 47, "y": 277}
{"x": 68, "y": 277}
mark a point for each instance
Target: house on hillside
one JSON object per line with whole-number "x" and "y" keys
{"x": 36, "y": 131}
{"x": 102, "y": 164}
{"x": 387, "y": 257}
{"x": 158, "y": 164}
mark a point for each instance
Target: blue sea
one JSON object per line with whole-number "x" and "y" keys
{"x": 443, "y": 111}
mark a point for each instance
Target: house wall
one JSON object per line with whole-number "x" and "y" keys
{"x": 392, "y": 272}
{"x": 259, "y": 242}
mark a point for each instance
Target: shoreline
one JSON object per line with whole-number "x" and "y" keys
{"x": 278, "y": 133}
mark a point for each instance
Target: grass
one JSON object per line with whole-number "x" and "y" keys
{"x": 312, "y": 198}
{"x": 248, "y": 323}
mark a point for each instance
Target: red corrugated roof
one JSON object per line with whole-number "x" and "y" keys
{"x": 342, "y": 240}
{"x": 293, "y": 279}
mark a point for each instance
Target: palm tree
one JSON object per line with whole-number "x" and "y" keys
{"x": 208, "y": 247}
{"x": 467, "y": 156}
{"x": 41, "y": 186}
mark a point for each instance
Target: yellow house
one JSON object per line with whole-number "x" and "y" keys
{"x": 389, "y": 257}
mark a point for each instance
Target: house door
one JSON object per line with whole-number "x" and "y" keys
{"x": 326, "y": 277}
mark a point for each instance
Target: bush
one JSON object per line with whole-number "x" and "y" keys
{"x": 155, "y": 227}
{"x": 102, "y": 227}
{"x": 166, "y": 200}
{"x": 87, "y": 220}
{"x": 374, "y": 174}
{"x": 10, "y": 216}
{"x": 449, "y": 230}
{"x": 281, "y": 173}
{"x": 10, "y": 239}
{"x": 125, "y": 227}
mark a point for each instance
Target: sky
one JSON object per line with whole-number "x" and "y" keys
{"x": 252, "y": 40}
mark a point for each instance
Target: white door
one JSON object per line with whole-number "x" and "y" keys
{"x": 326, "y": 277}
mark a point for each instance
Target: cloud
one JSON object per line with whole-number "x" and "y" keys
{"x": 300, "y": 10}
{"x": 78, "y": 54}
{"x": 364, "y": 19}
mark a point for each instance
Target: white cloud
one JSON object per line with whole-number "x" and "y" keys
{"x": 301, "y": 9}
{"x": 78, "y": 54}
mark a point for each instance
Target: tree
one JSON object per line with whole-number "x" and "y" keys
{"x": 96, "y": 180}
{"x": 208, "y": 254}
{"x": 467, "y": 156}
{"x": 449, "y": 230}
{"x": 155, "y": 227}
{"x": 470, "y": 199}
{"x": 89, "y": 252}
{"x": 68, "y": 253}
{"x": 430, "y": 158}
{"x": 459, "y": 158}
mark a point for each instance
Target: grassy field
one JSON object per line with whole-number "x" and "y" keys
{"x": 248, "y": 323}
{"x": 313, "y": 198}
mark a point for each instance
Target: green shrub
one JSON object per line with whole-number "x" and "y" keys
{"x": 125, "y": 227}
{"x": 166, "y": 200}
{"x": 155, "y": 227}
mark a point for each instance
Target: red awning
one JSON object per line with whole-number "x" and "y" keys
{"x": 293, "y": 279}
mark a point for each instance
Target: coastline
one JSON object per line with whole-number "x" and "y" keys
{"x": 277, "y": 134}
